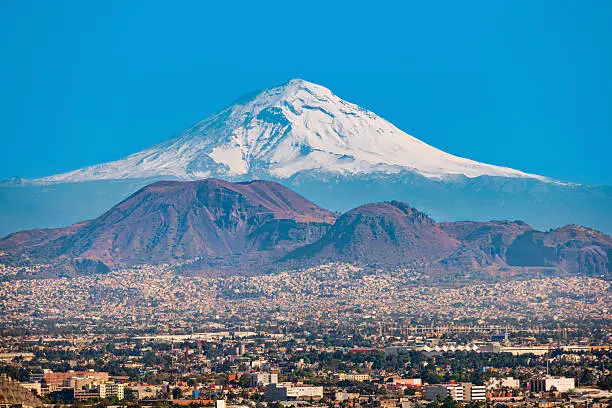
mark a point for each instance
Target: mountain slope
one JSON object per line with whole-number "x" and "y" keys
{"x": 215, "y": 226}
{"x": 483, "y": 244}
{"x": 572, "y": 247}
{"x": 284, "y": 130}
{"x": 389, "y": 233}
{"x": 169, "y": 222}
{"x": 393, "y": 234}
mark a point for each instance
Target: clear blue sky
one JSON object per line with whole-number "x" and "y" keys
{"x": 526, "y": 84}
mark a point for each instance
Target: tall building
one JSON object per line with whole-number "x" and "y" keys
{"x": 110, "y": 390}
{"x": 473, "y": 392}
{"x": 262, "y": 379}
{"x": 442, "y": 391}
{"x": 458, "y": 392}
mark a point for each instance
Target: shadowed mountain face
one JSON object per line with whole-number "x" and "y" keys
{"x": 214, "y": 226}
{"x": 393, "y": 234}
{"x": 574, "y": 248}
{"x": 389, "y": 233}
{"x": 168, "y": 222}
{"x": 482, "y": 243}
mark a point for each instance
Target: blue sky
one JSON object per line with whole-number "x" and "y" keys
{"x": 517, "y": 83}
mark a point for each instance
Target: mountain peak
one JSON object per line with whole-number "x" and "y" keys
{"x": 174, "y": 221}
{"x": 298, "y": 83}
{"x": 385, "y": 233}
{"x": 277, "y": 133}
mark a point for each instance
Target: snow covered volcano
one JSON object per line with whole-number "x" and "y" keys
{"x": 279, "y": 132}
{"x": 333, "y": 152}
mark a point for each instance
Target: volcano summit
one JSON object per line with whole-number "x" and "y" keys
{"x": 277, "y": 133}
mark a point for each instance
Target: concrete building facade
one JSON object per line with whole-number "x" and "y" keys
{"x": 291, "y": 392}
{"x": 111, "y": 390}
{"x": 561, "y": 384}
{"x": 262, "y": 379}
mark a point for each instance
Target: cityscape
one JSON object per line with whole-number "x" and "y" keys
{"x": 234, "y": 204}
{"x": 334, "y": 335}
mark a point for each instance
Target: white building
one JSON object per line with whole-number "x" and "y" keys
{"x": 518, "y": 351}
{"x": 458, "y": 392}
{"x": 455, "y": 391}
{"x": 354, "y": 377}
{"x": 289, "y": 392}
{"x": 111, "y": 390}
{"x": 262, "y": 379}
{"x": 561, "y": 384}
{"x": 473, "y": 392}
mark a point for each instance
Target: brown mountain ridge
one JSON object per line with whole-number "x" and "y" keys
{"x": 221, "y": 227}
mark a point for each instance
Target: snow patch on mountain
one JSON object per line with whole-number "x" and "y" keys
{"x": 299, "y": 126}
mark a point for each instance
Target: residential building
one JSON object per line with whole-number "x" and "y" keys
{"x": 111, "y": 390}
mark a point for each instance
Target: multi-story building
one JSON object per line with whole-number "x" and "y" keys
{"x": 262, "y": 379}
{"x": 433, "y": 392}
{"x": 36, "y": 376}
{"x": 289, "y": 392}
{"x": 145, "y": 391}
{"x": 52, "y": 378}
{"x": 518, "y": 351}
{"x": 354, "y": 377}
{"x": 473, "y": 392}
{"x": 408, "y": 382}
{"x": 458, "y": 392}
{"x": 549, "y": 383}
{"x": 111, "y": 390}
